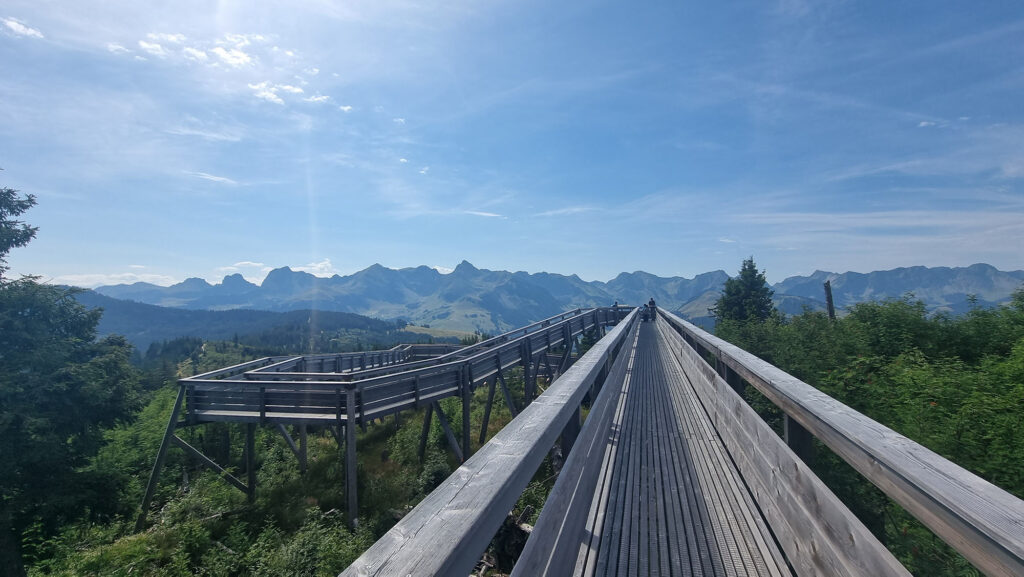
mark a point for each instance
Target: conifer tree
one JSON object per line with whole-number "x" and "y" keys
{"x": 745, "y": 297}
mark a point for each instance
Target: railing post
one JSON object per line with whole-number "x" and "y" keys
{"x": 798, "y": 439}
{"x": 465, "y": 379}
{"x": 350, "y": 457}
{"x": 570, "y": 433}
{"x": 250, "y": 460}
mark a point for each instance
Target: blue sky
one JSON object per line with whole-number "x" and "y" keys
{"x": 175, "y": 139}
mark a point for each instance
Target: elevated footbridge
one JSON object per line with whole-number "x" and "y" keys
{"x": 672, "y": 473}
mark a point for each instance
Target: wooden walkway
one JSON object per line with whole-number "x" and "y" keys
{"x": 664, "y": 496}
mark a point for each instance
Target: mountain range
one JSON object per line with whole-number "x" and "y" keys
{"x": 472, "y": 299}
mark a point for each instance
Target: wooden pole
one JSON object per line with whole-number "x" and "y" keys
{"x": 250, "y": 459}
{"x": 352, "y": 512}
{"x": 161, "y": 454}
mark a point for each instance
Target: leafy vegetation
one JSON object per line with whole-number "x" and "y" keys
{"x": 953, "y": 384}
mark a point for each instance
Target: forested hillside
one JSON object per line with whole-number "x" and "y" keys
{"x": 292, "y": 331}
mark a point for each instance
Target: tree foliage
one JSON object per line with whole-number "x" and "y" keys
{"x": 13, "y": 233}
{"x": 745, "y": 297}
{"x": 59, "y": 388}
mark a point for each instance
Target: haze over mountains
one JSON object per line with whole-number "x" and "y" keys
{"x": 471, "y": 299}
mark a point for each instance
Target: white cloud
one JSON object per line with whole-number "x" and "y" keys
{"x": 153, "y": 48}
{"x": 403, "y": 160}
{"x": 116, "y": 48}
{"x": 425, "y": 170}
{"x": 21, "y": 29}
{"x": 925, "y": 124}
{"x": 398, "y": 120}
{"x": 442, "y": 269}
{"x": 165, "y": 37}
{"x": 137, "y": 266}
{"x": 267, "y": 92}
{"x": 726, "y": 240}
{"x": 484, "y": 214}
{"x": 213, "y": 177}
{"x": 289, "y": 88}
{"x": 345, "y": 108}
{"x": 322, "y": 268}
{"x": 318, "y": 98}
{"x": 249, "y": 263}
{"x": 313, "y": 71}
{"x": 195, "y": 54}
{"x": 232, "y": 57}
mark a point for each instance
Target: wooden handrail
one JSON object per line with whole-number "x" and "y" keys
{"x": 978, "y": 519}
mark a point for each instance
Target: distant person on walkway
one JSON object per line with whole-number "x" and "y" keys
{"x": 644, "y": 314}
{"x": 651, "y": 306}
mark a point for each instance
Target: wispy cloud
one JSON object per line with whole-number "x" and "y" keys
{"x": 322, "y": 268}
{"x": 233, "y": 57}
{"x": 483, "y": 213}
{"x": 195, "y": 54}
{"x": 153, "y": 49}
{"x": 266, "y": 91}
{"x": 213, "y": 178}
{"x": 165, "y": 37}
{"x": 21, "y": 29}
{"x": 317, "y": 98}
{"x": 567, "y": 211}
{"x": 398, "y": 120}
{"x": 116, "y": 48}
{"x": 345, "y": 108}
{"x": 726, "y": 240}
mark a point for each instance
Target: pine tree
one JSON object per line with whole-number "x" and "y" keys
{"x": 745, "y": 297}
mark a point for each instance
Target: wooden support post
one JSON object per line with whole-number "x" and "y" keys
{"x": 288, "y": 439}
{"x": 448, "y": 433}
{"x": 250, "y": 459}
{"x": 547, "y": 366}
{"x": 798, "y": 439}
{"x": 303, "y": 452}
{"x": 487, "y": 409}
{"x": 210, "y": 464}
{"x": 426, "y": 430}
{"x": 154, "y": 475}
{"x": 467, "y": 396}
{"x": 352, "y": 512}
{"x": 505, "y": 392}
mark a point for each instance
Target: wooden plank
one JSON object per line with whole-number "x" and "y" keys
{"x": 983, "y": 522}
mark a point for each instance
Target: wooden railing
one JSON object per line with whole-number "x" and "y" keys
{"x": 978, "y": 519}
{"x": 269, "y": 391}
{"x": 448, "y": 531}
